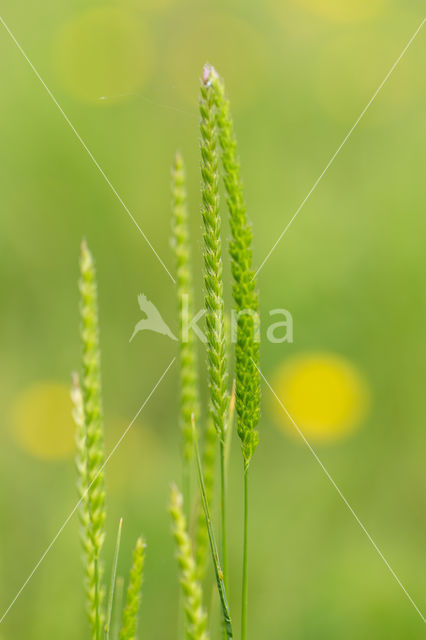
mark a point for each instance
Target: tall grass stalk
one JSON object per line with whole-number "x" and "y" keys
{"x": 133, "y": 597}
{"x": 189, "y": 403}
{"x": 244, "y": 589}
{"x": 84, "y": 509}
{"x": 215, "y": 125}
{"x": 90, "y": 446}
{"x": 213, "y": 280}
{"x": 209, "y": 460}
{"x": 246, "y": 306}
{"x": 196, "y": 617}
{"x": 227, "y": 623}
{"x": 244, "y": 289}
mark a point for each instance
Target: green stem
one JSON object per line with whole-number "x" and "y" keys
{"x": 113, "y": 582}
{"x": 223, "y": 512}
{"x": 187, "y": 488}
{"x": 224, "y": 545}
{"x": 215, "y": 556}
{"x": 98, "y": 618}
{"x": 245, "y": 559}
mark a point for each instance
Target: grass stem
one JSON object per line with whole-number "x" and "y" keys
{"x": 118, "y": 605}
{"x": 224, "y": 542}
{"x": 215, "y": 556}
{"x": 113, "y": 582}
{"x": 244, "y": 598}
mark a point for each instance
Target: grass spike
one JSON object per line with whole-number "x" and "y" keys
{"x": 244, "y": 288}
{"x": 213, "y": 269}
{"x": 213, "y": 280}
{"x": 84, "y": 510}
{"x": 191, "y": 589}
{"x": 189, "y": 403}
{"x": 133, "y": 597}
{"x": 81, "y": 456}
{"x": 94, "y": 455}
{"x": 246, "y": 306}
{"x": 89, "y": 556}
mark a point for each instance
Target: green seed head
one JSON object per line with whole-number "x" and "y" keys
{"x": 133, "y": 598}
{"x": 244, "y": 288}
{"x": 188, "y": 356}
{"x": 213, "y": 269}
{"x": 191, "y": 589}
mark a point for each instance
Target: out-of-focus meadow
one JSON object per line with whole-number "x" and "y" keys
{"x": 351, "y": 270}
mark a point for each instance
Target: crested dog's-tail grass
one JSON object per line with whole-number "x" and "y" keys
{"x": 87, "y": 413}
{"x": 213, "y": 267}
{"x": 215, "y": 125}
{"x": 246, "y": 304}
{"x": 133, "y": 597}
{"x": 244, "y": 289}
{"x": 196, "y": 617}
{"x": 89, "y": 556}
{"x": 189, "y": 401}
{"x": 90, "y": 457}
{"x": 213, "y": 280}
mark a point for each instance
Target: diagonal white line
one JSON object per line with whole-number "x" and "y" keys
{"x": 86, "y": 148}
{"x": 299, "y": 431}
{"x": 111, "y": 453}
{"x": 342, "y": 144}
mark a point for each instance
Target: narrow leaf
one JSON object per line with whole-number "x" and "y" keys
{"x": 113, "y": 581}
{"x": 215, "y": 556}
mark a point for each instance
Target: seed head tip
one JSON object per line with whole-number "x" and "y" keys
{"x": 209, "y": 74}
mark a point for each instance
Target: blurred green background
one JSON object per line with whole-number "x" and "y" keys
{"x": 350, "y": 270}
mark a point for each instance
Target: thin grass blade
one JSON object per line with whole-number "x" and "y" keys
{"x": 118, "y": 606}
{"x": 215, "y": 556}
{"x": 113, "y": 582}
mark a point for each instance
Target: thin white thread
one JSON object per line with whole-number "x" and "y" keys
{"x": 300, "y": 432}
{"x": 114, "y": 449}
{"x": 346, "y": 138}
{"x": 86, "y": 148}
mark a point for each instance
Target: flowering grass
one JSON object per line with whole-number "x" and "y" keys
{"x": 87, "y": 402}
{"x": 111, "y": 620}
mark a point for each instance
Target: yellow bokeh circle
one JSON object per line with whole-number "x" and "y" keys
{"x": 325, "y": 394}
{"x": 104, "y": 55}
{"x": 344, "y": 10}
{"x": 231, "y": 45}
{"x": 42, "y": 423}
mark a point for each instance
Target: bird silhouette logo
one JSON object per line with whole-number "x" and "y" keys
{"x": 153, "y": 321}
